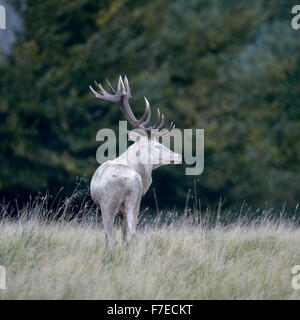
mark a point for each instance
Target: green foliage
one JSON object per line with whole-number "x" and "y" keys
{"x": 229, "y": 67}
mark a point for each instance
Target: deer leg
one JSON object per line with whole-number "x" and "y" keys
{"x": 108, "y": 219}
{"x": 124, "y": 227}
{"x": 132, "y": 218}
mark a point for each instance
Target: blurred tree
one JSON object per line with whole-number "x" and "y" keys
{"x": 229, "y": 67}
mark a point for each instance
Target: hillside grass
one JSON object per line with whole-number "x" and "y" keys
{"x": 179, "y": 259}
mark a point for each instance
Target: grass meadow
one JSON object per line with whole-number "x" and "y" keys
{"x": 175, "y": 257}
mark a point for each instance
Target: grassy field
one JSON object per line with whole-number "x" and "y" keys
{"x": 177, "y": 260}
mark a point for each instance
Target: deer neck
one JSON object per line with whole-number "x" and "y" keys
{"x": 144, "y": 170}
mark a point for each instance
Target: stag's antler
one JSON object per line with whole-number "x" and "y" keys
{"x": 121, "y": 98}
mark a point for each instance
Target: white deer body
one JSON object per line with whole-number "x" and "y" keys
{"x": 118, "y": 185}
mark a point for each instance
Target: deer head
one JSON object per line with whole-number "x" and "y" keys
{"x": 147, "y": 148}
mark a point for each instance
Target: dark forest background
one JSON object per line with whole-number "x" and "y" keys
{"x": 230, "y": 67}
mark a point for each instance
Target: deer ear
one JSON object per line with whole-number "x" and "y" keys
{"x": 134, "y": 135}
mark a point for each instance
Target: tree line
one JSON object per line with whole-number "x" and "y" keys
{"x": 228, "y": 67}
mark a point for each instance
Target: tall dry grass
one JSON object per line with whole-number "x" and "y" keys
{"x": 181, "y": 258}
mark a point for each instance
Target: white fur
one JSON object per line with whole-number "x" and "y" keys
{"x": 118, "y": 185}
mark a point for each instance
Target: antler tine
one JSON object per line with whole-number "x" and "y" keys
{"x": 98, "y": 85}
{"x": 103, "y": 94}
{"x": 121, "y": 87}
{"x": 128, "y": 90}
{"x": 110, "y": 86}
{"x": 97, "y": 95}
{"x": 166, "y": 134}
{"x": 121, "y": 97}
{"x": 162, "y": 122}
{"x": 147, "y": 113}
{"x": 172, "y": 128}
{"x": 158, "y": 119}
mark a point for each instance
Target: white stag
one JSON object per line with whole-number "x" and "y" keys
{"x": 118, "y": 185}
